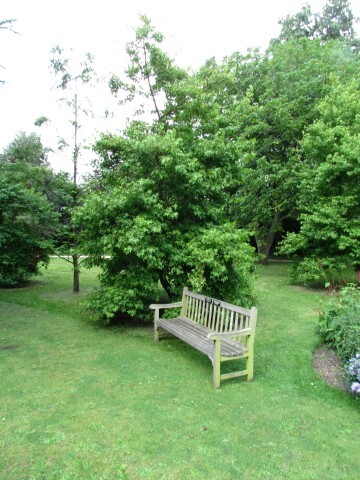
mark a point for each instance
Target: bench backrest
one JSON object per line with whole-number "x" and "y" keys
{"x": 215, "y": 314}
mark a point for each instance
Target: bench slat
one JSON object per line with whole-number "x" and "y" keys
{"x": 190, "y": 334}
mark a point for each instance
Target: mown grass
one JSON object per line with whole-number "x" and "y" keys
{"x": 83, "y": 402}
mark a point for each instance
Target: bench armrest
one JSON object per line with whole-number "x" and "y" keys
{"x": 236, "y": 333}
{"x": 158, "y": 306}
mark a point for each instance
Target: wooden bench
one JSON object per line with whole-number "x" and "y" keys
{"x": 220, "y": 330}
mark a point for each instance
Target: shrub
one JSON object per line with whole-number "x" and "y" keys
{"x": 339, "y": 323}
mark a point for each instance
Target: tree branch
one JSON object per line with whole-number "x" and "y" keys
{"x": 150, "y": 86}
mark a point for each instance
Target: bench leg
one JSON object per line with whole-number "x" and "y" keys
{"x": 216, "y": 365}
{"x": 156, "y": 335}
{"x": 250, "y": 367}
{"x": 156, "y": 328}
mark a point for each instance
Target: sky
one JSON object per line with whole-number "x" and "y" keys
{"x": 194, "y": 30}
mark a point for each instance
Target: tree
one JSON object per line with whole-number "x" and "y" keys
{"x": 158, "y": 208}
{"x": 69, "y": 82}
{"x": 33, "y": 201}
{"x": 25, "y": 148}
{"x": 26, "y": 230}
{"x": 152, "y": 76}
{"x": 335, "y": 23}
{"x": 158, "y": 215}
{"x": 279, "y": 91}
{"x": 329, "y": 201}
{"x": 31, "y": 168}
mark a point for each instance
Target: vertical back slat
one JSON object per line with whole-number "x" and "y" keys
{"x": 213, "y": 321}
{"x": 216, "y": 320}
{"x": 209, "y": 319}
{"x": 198, "y": 306}
{"x": 236, "y": 321}
{"x": 203, "y": 312}
{"x": 199, "y": 310}
{"x": 195, "y": 309}
{"x": 222, "y": 322}
{"x": 206, "y": 313}
{"x": 226, "y": 321}
{"x": 211, "y": 324}
{"x": 190, "y": 307}
{"x": 187, "y": 313}
{"x": 231, "y": 321}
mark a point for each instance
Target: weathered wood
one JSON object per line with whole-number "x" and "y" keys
{"x": 159, "y": 306}
{"x": 216, "y": 364}
{"x": 218, "y": 329}
{"x": 235, "y": 333}
{"x": 198, "y": 336}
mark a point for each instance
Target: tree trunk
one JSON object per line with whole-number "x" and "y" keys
{"x": 264, "y": 244}
{"x": 165, "y": 284}
{"x": 76, "y": 286}
{"x": 75, "y": 262}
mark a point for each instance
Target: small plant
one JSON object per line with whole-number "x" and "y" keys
{"x": 339, "y": 322}
{"x": 353, "y": 369}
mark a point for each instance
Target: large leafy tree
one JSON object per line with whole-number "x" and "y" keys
{"x": 329, "y": 201}
{"x": 284, "y": 85}
{"x": 26, "y": 230}
{"x": 33, "y": 205}
{"x": 159, "y": 205}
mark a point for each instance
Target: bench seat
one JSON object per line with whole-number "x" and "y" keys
{"x": 197, "y": 336}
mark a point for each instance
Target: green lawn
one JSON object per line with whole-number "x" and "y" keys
{"x": 82, "y": 402}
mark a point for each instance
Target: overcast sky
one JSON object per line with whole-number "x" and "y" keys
{"x": 195, "y": 30}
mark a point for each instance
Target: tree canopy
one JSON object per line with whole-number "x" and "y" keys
{"x": 336, "y": 22}
{"x": 329, "y": 198}
{"x": 27, "y": 149}
{"x": 33, "y": 208}
{"x": 279, "y": 91}
{"x": 159, "y": 206}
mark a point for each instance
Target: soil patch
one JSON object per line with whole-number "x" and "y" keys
{"x": 330, "y": 367}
